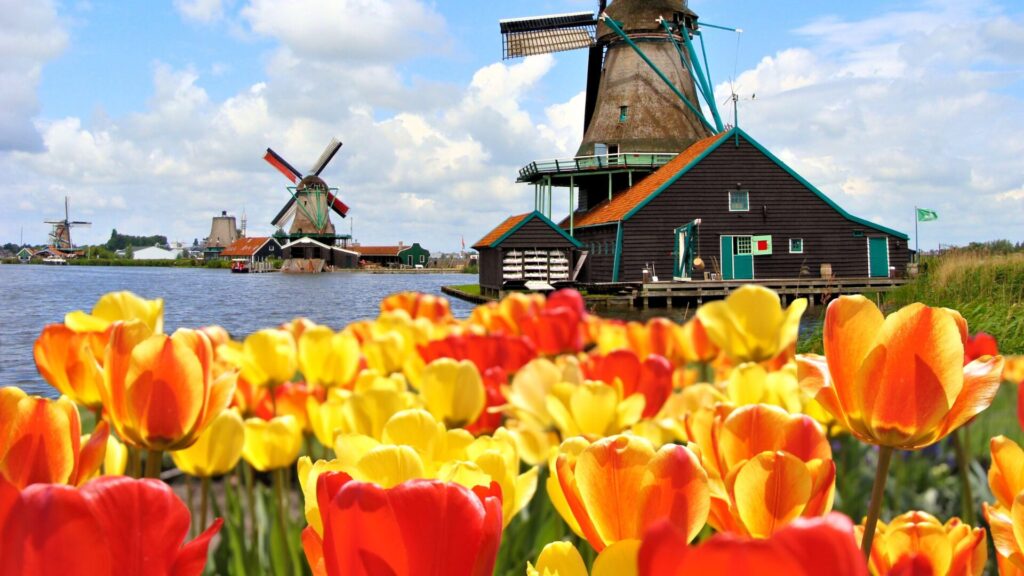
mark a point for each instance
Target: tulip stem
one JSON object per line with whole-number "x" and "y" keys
{"x": 134, "y": 462}
{"x": 278, "y": 481}
{"x": 204, "y": 497}
{"x": 189, "y": 497}
{"x": 251, "y": 503}
{"x": 154, "y": 458}
{"x": 963, "y": 462}
{"x": 877, "y": 493}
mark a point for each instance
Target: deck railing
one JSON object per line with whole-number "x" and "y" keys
{"x": 624, "y": 160}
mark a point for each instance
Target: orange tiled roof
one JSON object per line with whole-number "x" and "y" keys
{"x": 500, "y": 231}
{"x": 379, "y": 250}
{"x": 244, "y": 247}
{"x": 617, "y": 208}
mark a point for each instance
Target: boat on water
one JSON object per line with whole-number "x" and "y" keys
{"x": 240, "y": 266}
{"x": 55, "y": 261}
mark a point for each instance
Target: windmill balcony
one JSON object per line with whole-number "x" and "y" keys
{"x": 534, "y": 171}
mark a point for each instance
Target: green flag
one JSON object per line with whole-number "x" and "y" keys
{"x": 926, "y": 215}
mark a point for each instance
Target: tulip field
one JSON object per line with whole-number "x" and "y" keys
{"x": 530, "y": 438}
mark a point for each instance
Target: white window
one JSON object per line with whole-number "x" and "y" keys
{"x": 743, "y": 244}
{"x": 739, "y": 201}
{"x": 796, "y": 245}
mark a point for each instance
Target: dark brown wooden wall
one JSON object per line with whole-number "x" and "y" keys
{"x": 490, "y": 267}
{"x": 599, "y": 242}
{"x": 779, "y": 205}
{"x": 535, "y": 234}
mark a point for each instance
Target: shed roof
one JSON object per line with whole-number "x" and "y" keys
{"x": 500, "y": 231}
{"x": 379, "y": 250}
{"x": 495, "y": 237}
{"x": 245, "y": 246}
{"x": 616, "y": 209}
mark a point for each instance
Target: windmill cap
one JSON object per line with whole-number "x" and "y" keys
{"x": 642, "y": 15}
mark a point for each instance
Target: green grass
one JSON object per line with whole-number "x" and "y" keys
{"x": 471, "y": 289}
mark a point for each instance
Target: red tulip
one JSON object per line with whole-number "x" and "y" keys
{"x": 417, "y": 528}
{"x": 978, "y": 345}
{"x": 486, "y": 351}
{"x": 112, "y": 525}
{"x": 806, "y": 547}
{"x": 652, "y": 377}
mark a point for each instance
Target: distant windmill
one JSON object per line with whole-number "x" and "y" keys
{"x": 60, "y": 236}
{"x": 312, "y": 200}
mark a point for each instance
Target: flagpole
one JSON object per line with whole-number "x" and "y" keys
{"x": 917, "y": 239}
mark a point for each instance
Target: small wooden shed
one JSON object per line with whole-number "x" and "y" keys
{"x": 526, "y": 247}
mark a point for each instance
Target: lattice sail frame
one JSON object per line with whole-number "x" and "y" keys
{"x": 546, "y": 34}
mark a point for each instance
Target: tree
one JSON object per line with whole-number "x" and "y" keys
{"x": 129, "y": 253}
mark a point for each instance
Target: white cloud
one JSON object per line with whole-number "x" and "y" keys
{"x": 204, "y": 11}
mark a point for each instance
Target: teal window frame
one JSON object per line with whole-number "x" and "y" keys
{"x": 623, "y": 113}
{"x": 800, "y": 246}
{"x": 734, "y": 200}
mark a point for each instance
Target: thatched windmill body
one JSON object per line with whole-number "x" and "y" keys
{"x": 645, "y": 85}
{"x": 60, "y": 234}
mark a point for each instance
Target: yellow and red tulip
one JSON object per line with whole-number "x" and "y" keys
{"x": 767, "y": 468}
{"x": 1006, "y": 516}
{"x": 290, "y": 398}
{"x": 217, "y": 450}
{"x": 111, "y": 525}
{"x": 807, "y": 547}
{"x": 370, "y": 530}
{"x": 651, "y": 377}
{"x": 558, "y": 326}
{"x": 40, "y": 441}
{"x": 918, "y": 538}
{"x": 617, "y": 487}
{"x": 118, "y": 307}
{"x": 694, "y": 344}
{"x": 898, "y": 381}
{"x": 160, "y": 392}
{"x": 72, "y": 362}
{"x": 418, "y": 305}
{"x": 750, "y": 325}
{"x": 272, "y": 444}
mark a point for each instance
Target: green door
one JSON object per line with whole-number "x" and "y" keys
{"x": 682, "y": 266}
{"x": 743, "y": 261}
{"x": 726, "y": 257}
{"x": 878, "y": 257}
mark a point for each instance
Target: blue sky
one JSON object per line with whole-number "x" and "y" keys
{"x": 153, "y": 116}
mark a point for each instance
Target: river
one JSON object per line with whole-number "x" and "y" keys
{"x": 33, "y": 296}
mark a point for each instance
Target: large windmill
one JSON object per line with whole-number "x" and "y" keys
{"x": 645, "y": 86}
{"x": 60, "y": 235}
{"x": 310, "y": 240}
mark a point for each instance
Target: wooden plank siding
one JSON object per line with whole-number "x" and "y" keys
{"x": 780, "y": 206}
{"x": 535, "y": 234}
{"x": 599, "y": 242}
{"x": 490, "y": 268}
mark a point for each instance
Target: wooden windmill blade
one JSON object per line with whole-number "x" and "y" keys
{"x": 546, "y": 34}
{"x": 339, "y": 207}
{"x": 289, "y": 171}
{"x": 332, "y": 148}
{"x": 286, "y": 214}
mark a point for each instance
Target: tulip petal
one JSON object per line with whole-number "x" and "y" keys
{"x": 851, "y": 326}
{"x": 675, "y": 486}
{"x": 313, "y": 547}
{"x": 619, "y": 559}
{"x": 361, "y": 535}
{"x": 771, "y": 490}
{"x": 164, "y": 393}
{"x": 1006, "y": 475}
{"x": 816, "y": 381}
{"x": 39, "y": 438}
{"x": 981, "y": 382}
{"x": 51, "y": 531}
{"x": 923, "y": 535}
{"x": 390, "y": 465}
{"x": 191, "y": 558}
{"x": 825, "y": 541}
{"x": 93, "y": 454}
{"x": 609, "y": 476}
{"x": 1005, "y": 540}
{"x": 561, "y": 558}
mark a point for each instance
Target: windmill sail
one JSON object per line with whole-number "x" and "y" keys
{"x": 283, "y": 166}
{"x": 547, "y": 34}
{"x": 328, "y": 153}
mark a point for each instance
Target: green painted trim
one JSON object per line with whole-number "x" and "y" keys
{"x": 618, "y": 253}
{"x": 673, "y": 179}
{"x": 709, "y": 94}
{"x": 739, "y": 132}
{"x": 819, "y": 193}
{"x": 544, "y": 219}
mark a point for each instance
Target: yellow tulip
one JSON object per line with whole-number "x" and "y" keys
{"x": 953, "y": 548}
{"x": 327, "y": 358}
{"x": 268, "y": 357}
{"x": 118, "y": 306}
{"x": 750, "y": 324}
{"x": 592, "y": 408}
{"x": 453, "y": 392}
{"x": 272, "y": 444}
{"x": 115, "y": 460}
{"x": 562, "y": 559}
{"x": 217, "y": 450}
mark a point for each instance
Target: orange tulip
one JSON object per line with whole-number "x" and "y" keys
{"x": 1006, "y": 517}
{"x": 694, "y": 344}
{"x": 953, "y": 549}
{"x": 160, "y": 392}
{"x": 807, "y": 547}
{"x": 72, "y": 363}
{"x": 767, "y": 468}
{"x": 417, "y": 305}
{"x": 617, "y": 487}
{"x": 898, "y": 381}
{"x": 40, "y": 441}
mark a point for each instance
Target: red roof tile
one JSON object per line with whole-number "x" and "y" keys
{"x": 244, "y": 247}
{"x": 617, "y": 208}
{"x": 500, "y": 231}
{"x": 379, "y": 250}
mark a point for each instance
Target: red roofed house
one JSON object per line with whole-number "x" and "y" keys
{"x": 401, "y": 255}
{"x": 523, "y": 248}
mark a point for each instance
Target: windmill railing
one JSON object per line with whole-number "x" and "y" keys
{"x": 621, "y": 161}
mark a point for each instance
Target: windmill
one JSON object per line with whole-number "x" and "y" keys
{"x": 645, "y": 85}
{"x": 311, "y": 200}
{"x": 60, "y": 236}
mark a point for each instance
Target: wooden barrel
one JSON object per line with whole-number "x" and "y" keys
{"x": 826, "y": 271}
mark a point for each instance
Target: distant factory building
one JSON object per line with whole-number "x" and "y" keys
{"x": 155, "y": 253}
{"x": 223, "y": 232}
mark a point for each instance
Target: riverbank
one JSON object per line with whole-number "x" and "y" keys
{"x": 126, "y": 262}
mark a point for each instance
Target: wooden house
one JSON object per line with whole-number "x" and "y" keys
{"x": 726, "y": 208}
{"x": 306, "y": 254}
{"x": 523, "y": 248}
{"x": 400, "y": 255}
{"x": 254, "y": 249}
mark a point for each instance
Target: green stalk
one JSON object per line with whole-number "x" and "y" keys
{"x": 877, "y": 493}
{"x": 204, "y": 498}
{"x": 250, "y": 502}
{"x": 963, "y": 462}
{"x": 278, "y": 481}
{"x": 190, "y": 499}
{"x": 154, "y": 458}
{"x": 134, "y": 462}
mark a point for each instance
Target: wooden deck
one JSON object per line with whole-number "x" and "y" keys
{"x": 816, "y": 290}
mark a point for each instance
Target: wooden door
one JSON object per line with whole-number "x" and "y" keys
{"x": 878, "y": 257}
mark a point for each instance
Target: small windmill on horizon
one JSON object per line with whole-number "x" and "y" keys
{"x": 60, "y": 235}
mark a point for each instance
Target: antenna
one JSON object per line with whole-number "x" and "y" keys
{"x": 244, "y": 220}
